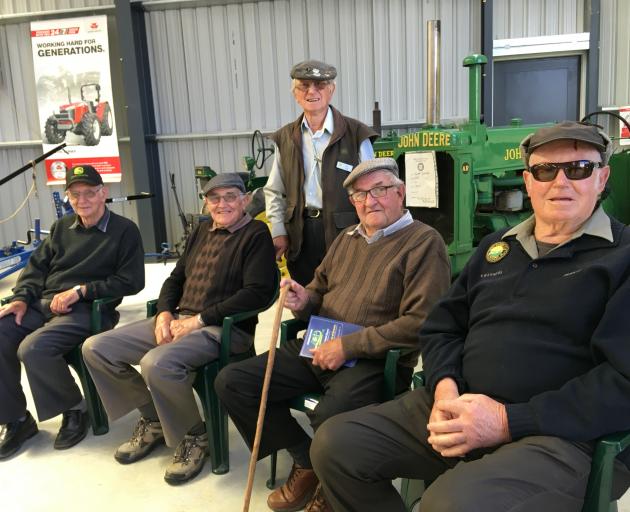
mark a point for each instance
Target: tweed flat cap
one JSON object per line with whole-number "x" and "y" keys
{"x": 313, "y": 70}
{"x": 568, "y": 130}
{"x": 226, "y": 179}
{"x": 83, "y": 174}
{"x": 368, "y": 166}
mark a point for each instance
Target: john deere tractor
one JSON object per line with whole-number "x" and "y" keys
{"x": 89, "y": 117}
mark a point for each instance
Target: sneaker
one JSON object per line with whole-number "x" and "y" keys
{"x": 318, "y": 503}
{"x": 146, "y": 436}
{"x": 188, "y": 460}
{"x": 296, "y": 492}
{"x": 13, "y": 434}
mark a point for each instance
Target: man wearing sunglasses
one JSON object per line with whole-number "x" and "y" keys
{"x": 526, "y": 360}
{"x": 228, "y": 267}
{"x": 91, "y": 254}
{"x": 384, "y": 274}
{"x": 305, "y": 199}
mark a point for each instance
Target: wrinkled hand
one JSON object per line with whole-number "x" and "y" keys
{"x": 446, "y": 389}
{"x": 61, "y": 302}
{"x": 297, "y": 296}
{"x": 17, "y": 307}
{"x": 330, "y": 355}
{"x": 182, "y": 327}
{"x": 477, "y": 421}
{"x": 163, "y": 327}
{"x": 281, "y": 245}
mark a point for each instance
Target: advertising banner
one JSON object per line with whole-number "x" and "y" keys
{"x": 74, "y": 95}
{"x": 624, "y": 132}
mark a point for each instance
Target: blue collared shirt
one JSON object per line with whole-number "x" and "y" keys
{"x": 101, "y": 225}
{"x": 404, "y": 221}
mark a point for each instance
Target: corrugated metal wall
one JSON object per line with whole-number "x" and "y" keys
{"x": 221, "y": 71}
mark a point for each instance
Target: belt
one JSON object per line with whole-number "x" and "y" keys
{"x": 312, "y": 213}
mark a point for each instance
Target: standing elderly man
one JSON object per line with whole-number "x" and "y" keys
{"x": 88, "y": 255}
{"x": 384, "y": 274}
{"x": 526, "y": 360}
{"x": 306, "y": 202}
{"x": 228, "y": 267}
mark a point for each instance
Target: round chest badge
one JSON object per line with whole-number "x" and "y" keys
{"x": 497, "y": 251}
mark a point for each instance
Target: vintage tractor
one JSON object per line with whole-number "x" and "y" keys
{"x": 89, "y": 117}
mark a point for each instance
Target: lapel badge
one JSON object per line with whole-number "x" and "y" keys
{"x": 497, "y": 251}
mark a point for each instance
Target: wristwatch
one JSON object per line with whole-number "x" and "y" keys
{"x": 79, "y": 291}
{"x": 200, "y": 321}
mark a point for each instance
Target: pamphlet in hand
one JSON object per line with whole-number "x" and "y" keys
{"x": 320, "y": 330}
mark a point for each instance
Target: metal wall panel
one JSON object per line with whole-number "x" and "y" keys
{"x": 614, "y": 63}
{"x": 531, "y": 18}
{"x": 27, "y": 6}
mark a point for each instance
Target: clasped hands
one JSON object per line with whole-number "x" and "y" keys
{"x": 168, "y": 329}
{"x": 461, "y": 423}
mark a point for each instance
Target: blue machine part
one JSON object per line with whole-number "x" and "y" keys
{"x": 15, "y": 256}
{"x": 61, "y": 207}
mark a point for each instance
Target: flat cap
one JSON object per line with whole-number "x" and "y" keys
{"x": 313, "y": 70}
{"x": 83, "y": 174}
{"x": 568, "y": 130}
{"x": 368, "y": 166}
{"x": 226, "y": 179}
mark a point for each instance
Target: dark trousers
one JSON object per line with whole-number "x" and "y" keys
{"x": 239, "y": 386}
{"x": 302, "y": 269}
{"x": 40, "y": 343}
{"x": 356, "y": 455}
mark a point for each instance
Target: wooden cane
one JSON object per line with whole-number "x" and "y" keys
{"x": 263, "y": 397}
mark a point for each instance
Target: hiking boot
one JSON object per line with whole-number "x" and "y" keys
{"x": 146, "y": 436}
{"x": 318, "y": 503}
{"x": 188, "y": 459}
{"x": 296, "y": 491}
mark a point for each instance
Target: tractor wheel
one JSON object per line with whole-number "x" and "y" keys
{"x": 53, "y": 135}
{"x": 107, "y": 124}
{"x": 91, "y": 129}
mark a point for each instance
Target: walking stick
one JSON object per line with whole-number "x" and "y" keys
{"x": 263, "y": 398}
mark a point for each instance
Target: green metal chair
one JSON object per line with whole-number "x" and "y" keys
{"x": 215, "y": 415}
{"x": 289, "y": 330}
{"x": 598, "y": 490}
{"x": 95, "y": 409}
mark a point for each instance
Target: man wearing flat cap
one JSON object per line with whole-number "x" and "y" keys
{"x": 384, "y": 274}
{"x": 526, "y": 360}
{"x": 306, "y": 202}
{"x": 228, "y": 267}
{"x": 91, "y": 254}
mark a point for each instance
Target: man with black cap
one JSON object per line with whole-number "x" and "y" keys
{"x": 228, "y": 267}
{"x": 384, "y": 274}
{"x": 526, "y": 360}
{"x": 306, "y": 202}
{"x": 91, "y": 254}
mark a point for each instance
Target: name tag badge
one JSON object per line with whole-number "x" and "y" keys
{"x": 344, "y": 167}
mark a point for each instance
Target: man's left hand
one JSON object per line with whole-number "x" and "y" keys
{"x": 330, "y": 355}
{"x": 61, "y": 302}
{"x": 182, "y": 327}
{"x": 477, "y": 421}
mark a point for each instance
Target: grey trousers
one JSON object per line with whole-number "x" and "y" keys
{"x": 40, "y": 343}
{"x": 357, "y": 454}
{"x": 167, "y": 372}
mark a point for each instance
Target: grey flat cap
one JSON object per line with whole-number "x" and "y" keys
{"x": 568, "y": 130}
{"x": 378, "y": 164}
{"x": 226, "y": 179}
{"x": 313, "y": 70}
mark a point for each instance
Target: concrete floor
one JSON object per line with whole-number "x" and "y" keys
{"x": 87, "y": 477}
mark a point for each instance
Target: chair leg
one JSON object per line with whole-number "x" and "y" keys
{"x": 271, "y": 483}
{"x": 411, "y": 492}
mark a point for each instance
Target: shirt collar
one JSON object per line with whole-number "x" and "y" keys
{"x": 404, "y": 221}
{"x": 598, "y": 224}
{"x": 244, "y": 220}
{"x": 101, "y": 225}
{"x": 329, "y": 125}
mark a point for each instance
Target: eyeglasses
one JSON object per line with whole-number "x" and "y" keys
{"x": 230, "y": 197}
{"x": 87, "y": 194}
{"x": 305, "y": 86}
{"x": 361, "y": 195}
{"x": 578, "y": 170}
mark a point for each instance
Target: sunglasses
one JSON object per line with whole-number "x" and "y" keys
{"x": 305, "y": 86}
{"x": 578, "y": 170}
{"x": 229, "y": 197}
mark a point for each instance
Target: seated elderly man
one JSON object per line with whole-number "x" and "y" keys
{"x": 228, "y": 267}
{"x": 526, "y": 360}
{"x": 88, "y": 255}
{"x": 384, "y": 274}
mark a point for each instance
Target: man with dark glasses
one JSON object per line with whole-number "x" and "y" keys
{"x": 526, "y": 360}
{"x": 305, "y": 200}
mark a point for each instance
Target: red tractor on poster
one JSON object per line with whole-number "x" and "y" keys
{"x": 89, "y": 117}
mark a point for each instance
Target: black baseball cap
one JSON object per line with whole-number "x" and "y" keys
{"x": 83, "y": 174}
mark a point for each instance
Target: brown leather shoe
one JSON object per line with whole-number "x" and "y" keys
{"x": 296, "y": 491}
{"x": 318, "y": 503}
